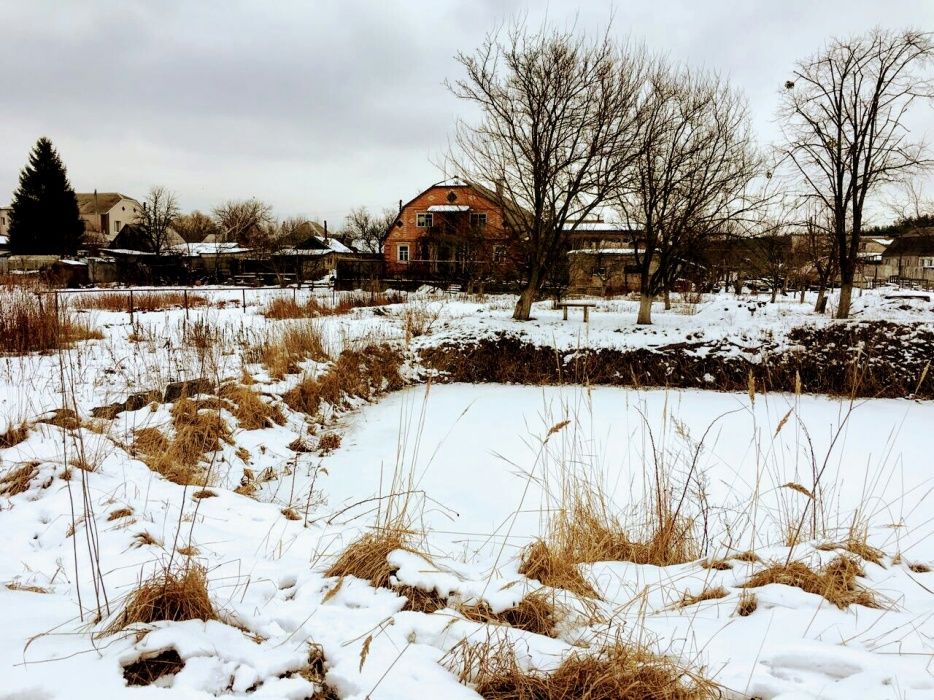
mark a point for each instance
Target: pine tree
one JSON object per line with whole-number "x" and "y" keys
{"x": 44, "y": 217}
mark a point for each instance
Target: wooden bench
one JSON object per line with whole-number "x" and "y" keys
{"x": 585, "y": 305}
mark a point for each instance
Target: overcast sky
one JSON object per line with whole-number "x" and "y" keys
{"x": 322, "y": 105}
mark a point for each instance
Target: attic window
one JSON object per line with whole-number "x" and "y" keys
{"x": 452, "y": 197}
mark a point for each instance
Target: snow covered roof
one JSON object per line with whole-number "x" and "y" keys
{"x": 451, "y": 182}
{"x": 4, "y": 240}
{"x": 596, "y": 226}
{"x": 448, "y": 207}
{"x": 210, "y": 248}
{"x": 603, "y": 251}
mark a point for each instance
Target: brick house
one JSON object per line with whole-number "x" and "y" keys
{"x": 454, "y": 231}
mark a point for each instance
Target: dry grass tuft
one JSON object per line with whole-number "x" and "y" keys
{"x": 291, "y": 514}
{"x": 120, "y": 513}
{"x": 83, "y": 464}
{"x": 553, "y": 568}
{"x": 28, "y": 325}
{"x": 857, "y": 544}
{"x": 616, "y": 671}
{"x": 28, "y": 588}
{"x": 420, "y": 600}
{"x": 251, "y": 412}
{"x": 314, "y": 672}
{"x": 748, "y": 556}
{"x": 706, "y": 594}
{"x": 836, "y": 581}
{"x": 168, "y": 595}
{"x": 747, "y": 604}
{"x": 282, "y": 350}
{"x": 148, "y": 670}
{"x": 142, "y": 301}
{"x": 329, "y": 442}
{"x": 366, "y": 557}
{"x": 14, "y": 435}
{"x": 203, "y": 493}
{"x": 919, "y": 567}
{"x": 285, "y": 307}
{"x": 199, "y": 430}
{"x": 17, "y": 479}
{"x": 188, "y": 551}
{"x": 717, "y": 564}
{"x": 64, "y": 418}
{"x": 144, "y": 538}
{"x": 362, "y": 373}
{"x": 537, "y": 613}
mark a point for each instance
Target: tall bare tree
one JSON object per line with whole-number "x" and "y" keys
{"x": 245, "y": 221}
{"x": 691, "y": 177}
{"x": 367, "y": 231}
{"x": 155, "y": 221}
{"x": 843, "y": 117}
{"x": 555, "y": 135}
{"x": 195, "y": 227}
{"x": 820, "y": 250}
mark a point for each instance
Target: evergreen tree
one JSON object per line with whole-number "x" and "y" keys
{"x": 44, "y": 216}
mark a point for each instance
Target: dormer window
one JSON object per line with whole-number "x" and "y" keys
{"x": 423, "y": 220}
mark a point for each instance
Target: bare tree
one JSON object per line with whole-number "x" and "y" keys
{"x": 367, "y": 231}
{"x": 194, "y": 227}
{"x": 244, "y": 220}
{"x": 555, "y": 135}
{"x": 843, "y": 119}
{"x": 155, "y": 221}
{"x": 691, "y": 178}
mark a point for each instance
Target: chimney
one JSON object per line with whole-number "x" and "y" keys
{"x": 400, "y": 206}
{"x": 325, "y": 229}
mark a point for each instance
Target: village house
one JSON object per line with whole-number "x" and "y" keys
{"x": 602, "y": 258}
{"x": 454, "y": 231}
{"x": 105, "y": 214}
{"x": 5, "y": 222}
{"x": 910, "y": 257}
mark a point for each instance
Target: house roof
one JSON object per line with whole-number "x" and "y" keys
{"x": 448, "y": 207}
{"x": 921, "y": 243}
{"x": 131, "y": 238}
{"x": 99, "y": 203}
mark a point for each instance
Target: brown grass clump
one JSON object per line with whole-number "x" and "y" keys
{"x": 362, "y": 373}
{"x": 285, "y": 307}
{"x": 747, "y": 604}
{"x": 314, "y": 672}
{"x": 142, "y": 301}
{"x": 83, "y": 464}
{"x": 858, "y": 545}
{"x": 717, "y": 564}
{"x": 420, "y": 600}
{"x": 203, "y": 493}
{"x": 14, "y": 435}
{"x": 168, "y": 595}
{"x": 64, "y": 418}
{"x": 28, "y": 325}
{"x": 748, "y": 556}
{"x": 147, "y": 670}
{"x": 28, "y": 588}
{"x": 299, "y": 444}
{"x": 188, "y": 551}
{"x": 836, "y": 581}
{"x": 537, "y": 613}
{"x": 17, "y": 479}
{"x": 283, "y": 350}
{"x": 919, "y": 567}
{"x": 553, "y": 568}
{"x": 143, "y": 539}
{"x": 120, "y": 513}
{"x": 328, "y": 443}
{"x": 291, "y": 514}
{"x": 617, "y": 671}
{"x": 688, "y": 599}
{"x": 366, "y": 557}
{"x": 199, "y": 429}
{"x": 251, "y": 412}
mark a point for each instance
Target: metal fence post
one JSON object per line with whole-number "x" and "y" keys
{"x": 131, "y": 307}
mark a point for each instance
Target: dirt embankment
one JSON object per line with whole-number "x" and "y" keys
{"x": 872, "y": 359}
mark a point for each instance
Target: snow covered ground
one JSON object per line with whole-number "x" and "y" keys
{"x": 484, "y": 476}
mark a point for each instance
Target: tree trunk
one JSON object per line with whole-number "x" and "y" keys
{"x": 667, "y": 300}
{"x": 801, "y": 294}
{"x": 523, "y": 308}
{"x": 846, "y": 294}
{"x": 774, "y": 292}
{"x": 645, "y": 309}
{"x": 821, "y": 304}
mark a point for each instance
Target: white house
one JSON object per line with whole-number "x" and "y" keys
{"x": 106, "y": 213}
{"x": 4, "y": 221}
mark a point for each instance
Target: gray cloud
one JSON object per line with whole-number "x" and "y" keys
{"x": 320, "y": 106}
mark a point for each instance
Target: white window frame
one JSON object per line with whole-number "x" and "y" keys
{"x": 116, "y": 227}
{"x": 402, "y": 252}
{"x": 423, "y": 219}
